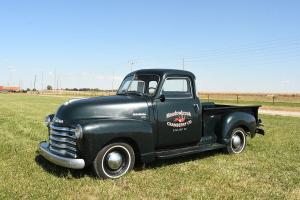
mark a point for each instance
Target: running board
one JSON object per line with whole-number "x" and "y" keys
{"x": 187, "y": 150}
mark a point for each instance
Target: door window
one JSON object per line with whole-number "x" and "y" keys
{"x": 177, "y": 88}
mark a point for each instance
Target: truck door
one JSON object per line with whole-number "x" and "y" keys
{"x": 178, "y": 114}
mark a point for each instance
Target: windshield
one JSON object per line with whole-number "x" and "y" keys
{"x": 139, "y": 84}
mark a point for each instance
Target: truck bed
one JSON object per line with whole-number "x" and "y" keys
{"x": 222, "y": 108}
{"x": 213, "y": 114}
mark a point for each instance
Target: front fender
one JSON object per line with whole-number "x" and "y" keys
{"x": 99, "y": 133}
{"x": 237, "y": 119}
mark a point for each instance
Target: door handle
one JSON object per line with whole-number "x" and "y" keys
{"x": 196, "y": 107}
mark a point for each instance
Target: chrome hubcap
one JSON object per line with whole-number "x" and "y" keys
{"x": 114, "y": 160}
{"x": 236, "y": 141}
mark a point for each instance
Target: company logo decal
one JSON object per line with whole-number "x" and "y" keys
{"x": 179, "y": 119}
{"x": 141, "y": 115}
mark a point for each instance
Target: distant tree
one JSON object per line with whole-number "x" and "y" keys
{"x": 49, "y": 87}
{"x": 28, "y": 89}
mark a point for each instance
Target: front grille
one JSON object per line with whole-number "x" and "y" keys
{"x": 63, "y": 141}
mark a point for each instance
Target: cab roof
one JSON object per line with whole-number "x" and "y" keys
{"x": 163, "y": 72}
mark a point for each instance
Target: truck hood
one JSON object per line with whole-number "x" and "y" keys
{"x": 119, "y": 106}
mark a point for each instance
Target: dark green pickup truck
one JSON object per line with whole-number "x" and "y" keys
{"x": 156, "y": 114}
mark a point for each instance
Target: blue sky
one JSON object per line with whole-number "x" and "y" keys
{"x": 240, "y": 46}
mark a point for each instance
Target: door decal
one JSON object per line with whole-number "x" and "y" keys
{"x": 179, "y": 119}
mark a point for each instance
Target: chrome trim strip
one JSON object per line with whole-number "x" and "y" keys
{"x": 62, "y": 152}
{"x": 63, "y": 134}
{"x": 62, "y": 146}
{"x": 59, "y": 160}
{"x": 62, "y": 140}
{"x": 61, "y": 128}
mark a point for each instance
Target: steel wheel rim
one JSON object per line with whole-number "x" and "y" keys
{"x": 114, "y": 160}
{"x": 116, "y": 169}
{"x": 238, "y": 141}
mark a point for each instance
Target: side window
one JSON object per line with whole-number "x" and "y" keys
{"x": 177, "y": 87}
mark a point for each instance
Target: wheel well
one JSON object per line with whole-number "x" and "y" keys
{"x": 129, "y": 141}
{"x": 246, "y": 129}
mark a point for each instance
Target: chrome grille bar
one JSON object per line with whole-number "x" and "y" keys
{"x": 62, "y": 134}
{"x": 62, "y": 146}
{"x": 62, "y": 152}
{"x": 62, "y": 141}
{"x": 61, "y": 128}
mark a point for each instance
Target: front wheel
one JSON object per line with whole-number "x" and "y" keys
{"x": 114, "y": 160}
{"x": 237, "y": 141}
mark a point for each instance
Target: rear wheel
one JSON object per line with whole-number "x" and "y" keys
{"x": 237, "y": 141}
{"x": 114, "y": 160}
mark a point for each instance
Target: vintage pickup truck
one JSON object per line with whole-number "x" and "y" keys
{"x": 155, "y": 114}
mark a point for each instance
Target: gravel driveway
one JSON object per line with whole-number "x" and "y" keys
{"x": 279, "y": 112}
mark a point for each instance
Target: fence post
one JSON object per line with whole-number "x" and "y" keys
{"x": 273, "y": 99}
{"x": 237, "y": 98}
{"x": 208, "y": 97}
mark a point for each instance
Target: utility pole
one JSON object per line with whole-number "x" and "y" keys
{"x": 54, "y": 81}
{"x": 34, "y": 82}
{"x": 131, "y": 63}
{"x": 112, "y": 83}
{"x": 57, "y": 80}
{"x": 42, "y": 81}
{"x": 19, "y": 84}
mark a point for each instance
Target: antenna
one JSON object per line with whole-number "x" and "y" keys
{"x": 183, "y": 63}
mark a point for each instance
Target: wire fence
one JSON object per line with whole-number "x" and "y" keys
{"x": 238, "y": 98}
{"x": 251, "y": 97}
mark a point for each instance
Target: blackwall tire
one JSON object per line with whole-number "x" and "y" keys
{"x": 238, "y": 141}
{"x": 114, "y": 161}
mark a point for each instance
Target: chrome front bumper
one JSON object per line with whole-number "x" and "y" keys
{"x": 59, "y": 160}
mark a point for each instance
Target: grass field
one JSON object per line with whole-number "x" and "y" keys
{"x": 268, "y": 169}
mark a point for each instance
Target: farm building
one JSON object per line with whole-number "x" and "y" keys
{"x": 9, "y": 88}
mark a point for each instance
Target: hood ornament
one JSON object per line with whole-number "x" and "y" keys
{"x": 57, "y": 120}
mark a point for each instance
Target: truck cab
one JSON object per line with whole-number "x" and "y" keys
{"x": 155, "y": 114}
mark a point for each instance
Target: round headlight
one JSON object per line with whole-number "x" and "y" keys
{"x": 78, "y": 132}
{"x": 47, "y": 121}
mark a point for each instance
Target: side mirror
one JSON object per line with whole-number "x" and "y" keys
{"x": 162, "y": 98}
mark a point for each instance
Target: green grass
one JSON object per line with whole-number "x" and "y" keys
{"x": 268, "y": 169}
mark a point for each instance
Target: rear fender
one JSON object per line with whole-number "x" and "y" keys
{"x": 234, "y": 120}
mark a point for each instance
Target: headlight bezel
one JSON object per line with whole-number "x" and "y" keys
{"x": 47, "y": 120}
{"x": 78, "y": 132}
